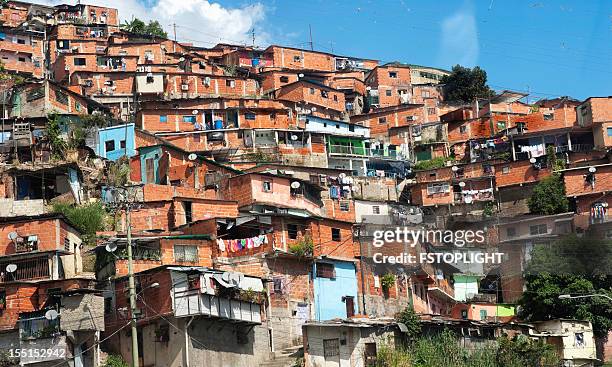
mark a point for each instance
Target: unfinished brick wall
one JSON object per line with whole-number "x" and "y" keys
{"x": 105, "y": 84}
{"x": 576, "y": 184}
{"x": 51, "y": 234}
{"x": 389, "y": 81}
{"x": 301, "y": 59}
{"x": 519, "y": 172}
{"x": 380, "y": 121}
{"x": 304, "y": 91}
{"x": 324, "y": 244}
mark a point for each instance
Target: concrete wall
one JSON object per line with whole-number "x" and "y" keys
{"x": 82, "y": 312}
{"x": 210, "y": 343}
{"x": 351, "y": 340}
{"x": 569, "y": 329}
{"x": 13, "y": 208}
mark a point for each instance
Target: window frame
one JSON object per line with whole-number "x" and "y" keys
{"x": 336, "y": 234}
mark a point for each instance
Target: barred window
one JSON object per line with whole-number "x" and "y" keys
{"x": 185, "y": 253}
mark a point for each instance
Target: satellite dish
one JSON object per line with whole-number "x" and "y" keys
{"x": 111, "y": 247}
{"x": 294, "y": 137}
{"x": 295, "y": 185}
{"x": 532, "y": 160}
{"x": 461, "y": 184}
{"x": 368, "y": 88}
{"x": 51, "y": 315}
{"x": 13, "y": 236}
{"x": 298, "y": 109}
{"x": 192, "y": 157}
{"x": 11, "y": 268}
{"x": 342, "y": 175}
{"x": 194, "y": 112}
{"x": 468, "y": 200}
{"x": 314, "y": 109}
{"x": 301, "y": 75}
{"x": 182, "y": 59}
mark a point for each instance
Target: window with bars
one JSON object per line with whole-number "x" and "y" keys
{"x": 538, "y": 229}
{"x": 326, "y": 270}
{"x": 331, "y": 348}
{"x": 437, "y": 188}
{"x": 345, "y": 206}
{"x": 185, "y": 253}
{"x": 61, "y": 97}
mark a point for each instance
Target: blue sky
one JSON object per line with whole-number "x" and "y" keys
{"x": 551, "y": 48}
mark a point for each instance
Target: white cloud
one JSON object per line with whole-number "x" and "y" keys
{"x": 201, "y": 22}
{"x": 459, "y": 43}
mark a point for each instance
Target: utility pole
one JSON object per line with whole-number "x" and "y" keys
{"x": 174, "y": 44}
{"x": 132, "y": 288}
{"x": 253, "y": 34}
{"x": 311, "y": 44}
{"x": 358, "y": 233}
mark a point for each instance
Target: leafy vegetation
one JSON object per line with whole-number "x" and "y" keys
{"x": 433, "y": 163}
{"x": 554, "y": 163}
{"x": 387, "y": 281}
{"x": 54, "y": 132}
{"x": 259, "y": 156}
{"x": 153, "y": 28}
{"x": 7, "y": 361}
{"x": 548, "y": 197}
{"x": 17, "y": 79}
{"x": 412, "y": 321}
{"x": 489, "y": 207}
{"x": 573, "y": 265}
{"x": 89, "y": 218}
{"x": 466, "y": 85}
{"x": 444, "y": 350}
{"x": 118, "y": 172}
{"x": 303, "y": 247}
{"x": 115, "y": 360}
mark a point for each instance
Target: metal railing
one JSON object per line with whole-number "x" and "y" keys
{"x": 38, "y": 327}
{"x": 26, "y": 270}
{"x": 574, "y": 148}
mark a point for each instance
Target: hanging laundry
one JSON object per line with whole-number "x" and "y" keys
{"x": 220, "y": 244}
{"x": 334, "y": 192}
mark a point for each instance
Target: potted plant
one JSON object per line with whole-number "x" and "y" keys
{"x": 386, "y": 282}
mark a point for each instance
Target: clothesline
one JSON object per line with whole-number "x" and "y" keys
{"x": 241, "y": 244}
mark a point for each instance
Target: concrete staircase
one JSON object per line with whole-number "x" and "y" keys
{"x": 284, "y": 358}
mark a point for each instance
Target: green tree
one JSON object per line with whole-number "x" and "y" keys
{"x": 153, "y": 28}
{"x": 465, "y": 84}
{"x": 548, "y": 197}
{"x": 573, "y": 265}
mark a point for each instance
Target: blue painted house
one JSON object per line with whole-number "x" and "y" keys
{"x": 335, "y": 289}
{"x": 113, "y": 142}
{"x": 153, "y": 164}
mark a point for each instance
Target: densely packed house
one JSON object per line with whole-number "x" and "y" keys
{"x": 254, "y": 180}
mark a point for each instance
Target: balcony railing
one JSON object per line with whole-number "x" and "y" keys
{"x": 574, "y": 148}
{"x": 362, "y": 151}
{"x": 348, "y": 150}
{"x": 26, "y": 270}
{"x": 38, "y": 327}
{"x": 196, "y": 303}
